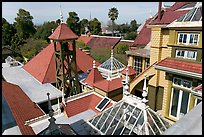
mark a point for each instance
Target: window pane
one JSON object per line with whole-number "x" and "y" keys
{"x": 174, "y": 101}
{"x": 195, "y": 39}
{"x": 184, "y": 38}
{"x": 184, "y": 103}
{"x": 180, "y": 38}
{"x": 198, "y": 101}
{"x": 187, "y": 84}
{"x": 191, "y": 54}
{"x": 177, "y": 81}
{"x": 191, "y": 39}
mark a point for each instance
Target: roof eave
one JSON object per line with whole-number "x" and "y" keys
{"x": 178, "y": 71}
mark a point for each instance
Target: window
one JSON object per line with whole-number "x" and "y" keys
{"x": 197, "y": 101}
{"x": 138, "y": 64}
{"x": 147, "y": 62}
{"x": 180, "y": 98}
{"x": 179, "y": 103}
{"x": 102, "y": 104}
{"x": 186, "y": 54}
{"x": 188, "y": 38}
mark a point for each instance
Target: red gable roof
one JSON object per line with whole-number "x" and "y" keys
{"x": 84, "y": 103}
{"x": 199, "y": 88}
{"x": 109, "y": 85}
{"x": 131, "y": 71}
{"x": 93, "y": 77}
{"x": 63, "y": 32}
{"x": 85, "y": 38}
{"x": 42, "y": 66}
{"x": 144, "y": 35}
{"x": 181, "y": 65}
{"x": 171, "y": 14}
{"x": 21, "y": 106}
{"x": 103, "y": 42}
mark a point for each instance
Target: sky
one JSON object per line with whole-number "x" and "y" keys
{"x": 50, "y": 11}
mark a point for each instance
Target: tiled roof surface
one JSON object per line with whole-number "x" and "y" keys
{"x": 21, "y": 106}
{"x": 143, "y": 38}
{"x": 139, "y": 52}
{"x": 181, "y": 65}
{"x": 42, "y": 66}
{"x": 85, "y": 38}
{"x": 131, "y": 71}
{"x": 63, "y": 32}
{"x": 82, "y": 104}
{"x": 171, "y": 14}
{"x": 103, "y": 42}
{"x": 93, "y": 77}
{"x": 109, "y": 85}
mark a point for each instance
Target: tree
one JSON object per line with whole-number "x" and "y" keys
{"x": 8, "y": 31}
{"x": 82, "y": 45}
{"x": 73, "y": 22}
{"x": 133, "y": 25}
{"x": 94, "y": 26}
{"x": 24, "y": 25}
{"x": 113, "y": 15}
{"x": 44, "y": 31}
{"x": 130, "y": 36}
{"x": 84, "y": 25}
{"x": 121, "y": 48}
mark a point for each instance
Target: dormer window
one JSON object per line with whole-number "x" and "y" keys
{"x": 186, "y": 54}
{"x": 188, "y": 38}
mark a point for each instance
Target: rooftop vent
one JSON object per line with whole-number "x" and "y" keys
{"x": 11, "y": 61}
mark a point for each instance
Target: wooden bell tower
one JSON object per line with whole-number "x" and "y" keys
{"x": 65, "y": 59}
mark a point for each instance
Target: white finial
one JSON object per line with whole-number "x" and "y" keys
{"x": 126, "y": 84}
{"x": 111, "y": 61}
{"x": 111, "y": 52}
{"x": 63, "y": 100}
{"x": 126, "y": 77}
{"x": 61, "y": 17}
{"x": 94, "y": 64}
{"x": 144, "y": 93}
{"x": 58, "y": 105}
{"x": 108, "y": 78}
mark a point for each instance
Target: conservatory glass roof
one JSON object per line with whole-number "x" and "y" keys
{"x": 193, "y": 15}
{"x": 125, "y": 118}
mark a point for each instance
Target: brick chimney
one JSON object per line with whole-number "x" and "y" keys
{"x": 159, "y": 10}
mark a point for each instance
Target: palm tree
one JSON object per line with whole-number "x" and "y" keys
{"x": 113, "y": 15}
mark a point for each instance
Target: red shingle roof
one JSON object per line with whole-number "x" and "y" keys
{"x": 84, "y": 103}
{"x": 131, "y": 71}
{"x": 63, "y": 32}
{"x": 85, "y": 39}
{"x": 109, "y": 85}
{"x": 144, "y": 35}
{"x": 103, "y": 42}
{"x": 171, "y": 13}
{"x": 21, "y": 106}
{"x": 181, "y": 65}
{"x": 93, "y": 77}
{"x": 42, "y": 66}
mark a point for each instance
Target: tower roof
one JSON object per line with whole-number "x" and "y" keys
{"x": 62, "y": 32}
{"x": 131, "y": 71}
{"x": 93, "y": 77}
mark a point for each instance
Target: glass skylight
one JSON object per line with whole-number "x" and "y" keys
{"x": 127, "y": 119}
{"x": 102, "y": 104}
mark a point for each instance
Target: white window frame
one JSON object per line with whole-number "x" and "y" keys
{"x": 178, "y": 116}
{"x": 147, "y": 63}
{"x": 181, "y": 86}
{"x": 96, "y": 107}
{"x": 186, "y": 54}
{"x": 136, "y": 64}
{"x": 188, "y": 38}
{"x": 196, "y": 101}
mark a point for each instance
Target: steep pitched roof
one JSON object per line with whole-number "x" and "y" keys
{"x": 93, "y": 77}
{"x": 131, "y": 71}
{"x": 85, "y": 38}
{"x": 143, "y": 38}
{"x": 102, "y": 41}
{"x": 63, "y": 32}
{"x": 42, "y": 66}
{"x": 181, "y": 65}
{"x": 171, "y": 14}
{"x": 16, "y": 100}
{"x": 109, "y": 85}
{"x": 84, "y": 103}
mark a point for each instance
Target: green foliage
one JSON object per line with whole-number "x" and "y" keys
{"x": 121, "y": 48}
{"x": 84, "y": 24}
{"x": 82, "y": 45}
{"x": 20, "y": 59}
{"x": 24, "y": 25}
{"x": 73, "y": 22}
{"x": 130, "y": 36}
{"x": 133, "y": 25}
{"x": 95, "y": 26}
{"x": 16, "y": 42}
{"x": 44, "y": 31}
{"x": 8, "y": 31}
{"x": 100, "y": 54}
{"x": 32, "y": 47}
